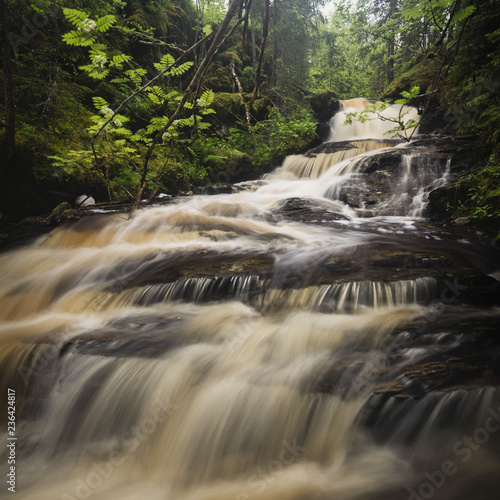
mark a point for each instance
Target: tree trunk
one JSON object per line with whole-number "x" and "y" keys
{"x": 254, "y": 47}
{"x": 240, "y": 90}
{"x": 390, "y": 61}
{"x": 195, "y": 82}
{"x": 8, "y": 147}
{"x": 265, "y": 31}
{"x": 245, "y": 7}
{"x": 391, "y": 43}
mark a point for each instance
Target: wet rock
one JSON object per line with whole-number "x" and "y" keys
{"x": 433, "y": 120}
{"x": 335, "y": 147}
{"x": 218, "y": 188}
{"x": 143, "y": 337}
{"x": 64, "y": 212}
{"x": 456, "y": 349}
{"x": 382, "y": 175}
{"x": 306, "y": 210}
{"x": 169, "y": 268}
{"x": 324, "y": 105}
{"x": 441, "y": 199}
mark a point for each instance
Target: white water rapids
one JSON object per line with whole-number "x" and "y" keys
{"x": 213, "y": 349}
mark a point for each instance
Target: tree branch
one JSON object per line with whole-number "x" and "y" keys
{"x": 212, "y": 50}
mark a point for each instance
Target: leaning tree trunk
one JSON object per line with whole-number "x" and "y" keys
{"x": 265, "y": 32}
{"x": 193, "y": 85}
{"x": 8, "y": 147}
{"x": 242, "y": 94}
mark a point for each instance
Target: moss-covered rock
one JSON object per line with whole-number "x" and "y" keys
{"x": 230, "y": 108}
{"x": 475, "y": 196}
{"x": 419, "y": 74}
{"x": 324, "y": 105}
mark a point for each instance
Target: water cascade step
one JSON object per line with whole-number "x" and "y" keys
{"x": 310, "y": 335}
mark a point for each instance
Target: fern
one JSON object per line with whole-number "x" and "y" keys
{"x": 75, "y": 17}
{"x": 135, "y": 75}
{"x": 174, "y": 94}
{"x": 154, "y": 100}
{"x": 125, "y": 132}
{"x": 207, "y": 98}
{"x": 181, "y": 69}
{"x": 166, "y": 61}
{"x": 464, "y": 13}
{"x": 78, "y": 39}
{"x": 215, "y": 158}
{"x": 93, "y": 72}
{"x": 156, "y": 95}
{"x": 104, "y": 23}
{"x": 100, "y": 103}
{"x": 119, "y": 60}
{"x": 157, "y": 124}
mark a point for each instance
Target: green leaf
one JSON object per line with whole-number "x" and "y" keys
{"x": 464, "y": 13}
{"x": 180, "y": 70}
{"x": 166, "y": 61}
{"x": 119, "y": 60}
{"x": 136, "y": 75}
{"x": 100, "y": 103}
{"x": 78, "y": 39}
{"x": 93, "y": 72}
{"x": 206, "y": 99}
{"x": 104, "y": 23}
{"x": 74, "y": 16}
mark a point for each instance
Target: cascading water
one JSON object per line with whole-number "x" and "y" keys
{"x": 355, "y": 138}
{"x": 373, "y": 127}
{"x": 267, "y": 344}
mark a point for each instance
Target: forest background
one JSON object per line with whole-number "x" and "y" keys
{"x": 128, "y": 99}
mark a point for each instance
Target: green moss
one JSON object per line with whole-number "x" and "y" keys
{"x": 420, "y": 74}
{"x": 61, "y": 208}
{"x": 477, "y": 196}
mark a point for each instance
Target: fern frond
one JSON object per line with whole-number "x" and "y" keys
{"x": 104, "y": 23}
{"x": 464, "y": 13}
{"x": 119, "y": 60}
{"x": 100, "y": 103}
{"x": 166, "y": 61}
{"x": 207, "y": 98}
{"x": 181, "y": 69}
{"x": 78, "y": 38}
{"x": 74, "y": 16}
{"x": 136, "y": 75}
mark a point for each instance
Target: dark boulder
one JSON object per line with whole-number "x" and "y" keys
{"x": 306, "y": 210}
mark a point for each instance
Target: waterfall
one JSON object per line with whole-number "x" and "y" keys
{"x": 417, "y": 177}
{"x": 373, "y": 127}
{"x": 261, "y": 294}
{"x": 420, "y": 200}
{"x": 316, "y": 164}
{"x": 249, "y": 346}
{"x": 359, "y": 136}
{"x": 341, "y": 164}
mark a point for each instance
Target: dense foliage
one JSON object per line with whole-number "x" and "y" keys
{"x": 120, "y": 98}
